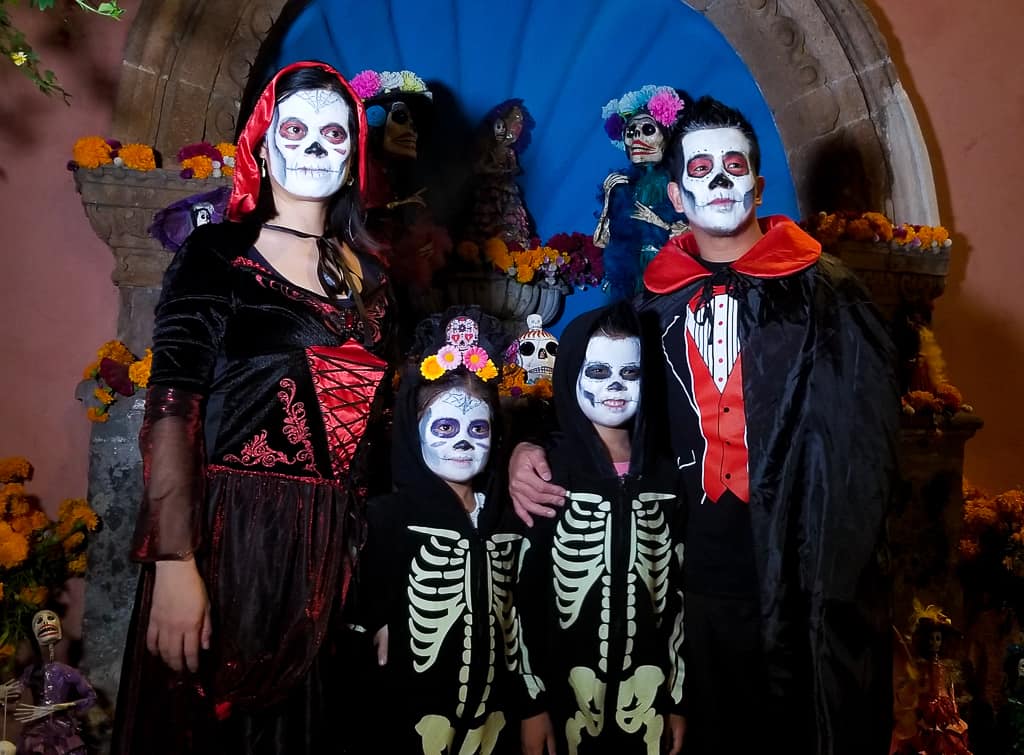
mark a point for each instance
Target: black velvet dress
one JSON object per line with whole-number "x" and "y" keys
{"x": 262, "y": 409}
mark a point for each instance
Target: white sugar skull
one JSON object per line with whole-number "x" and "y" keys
{"x": 536, "y": 351}
{"x": 400, "y": 131}
{"x": 455, "y": 435}
{"x": 608, "y": 387}
{"x": 718, "y": 188}
{"x": 462, "y": 332}
{"x": 644, "y": 140}
{"x": 46, "y": 628}
{"x": 308, "y": 145}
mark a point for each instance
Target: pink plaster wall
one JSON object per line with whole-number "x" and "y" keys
{"x": 58, "y": 303}
{"x": 960, "y": 63}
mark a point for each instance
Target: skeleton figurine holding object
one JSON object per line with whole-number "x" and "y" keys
{"x": 637, "y": 217}
{"x": 59, "y": 692}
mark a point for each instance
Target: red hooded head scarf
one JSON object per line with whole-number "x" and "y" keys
{"x": 245, "y": 190}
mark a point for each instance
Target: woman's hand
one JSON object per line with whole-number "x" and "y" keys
{"x": 529, "y": 483}
{"x": 538, "y": 736}
{"x": 179, "y": 620}
{"x": 380, "y": 644}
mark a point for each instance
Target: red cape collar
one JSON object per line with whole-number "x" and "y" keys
{"x": 783, "y": 250}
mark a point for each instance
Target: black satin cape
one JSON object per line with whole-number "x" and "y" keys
{"x": 822, "y": 417}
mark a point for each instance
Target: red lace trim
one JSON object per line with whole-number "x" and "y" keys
{"x": 257, "y": 451}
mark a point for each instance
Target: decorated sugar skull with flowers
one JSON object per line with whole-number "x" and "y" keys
{"x": 462, "y": 348}
{"x": 391, "y": 99}
{"x": 536, "y": 350}
{"x": 639, "y": 121}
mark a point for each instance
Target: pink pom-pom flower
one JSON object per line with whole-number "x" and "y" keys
{"x": 664, "y": 107}
{"x": 365, "y": 84}
{"x": 449, "y": 357}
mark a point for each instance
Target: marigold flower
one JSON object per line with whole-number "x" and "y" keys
{"x": 104, "y": 396}
{"x": 13, "y": 547}
{"x": 524, "y": 274}
{"x": 33, "y": 596}
{"x": 138, "y": 372}
{"x": 227, "y": 149}
{"x": 488, "y": 371}
{"x": 72, "y": 541}
{"x": 97, "y": 415}
{"x": 92, "y": 152}
{"x": 431, "y": 369}
{"x": 115, "y": 351}
{"x": 15, "y": 469}
{"x": 78, "y": 565}
{"x": 200, "y": 165}
{"x": 137, "y": 156}
{"x": 969, "y": 549}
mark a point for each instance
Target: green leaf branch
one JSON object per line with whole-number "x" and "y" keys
{"x": 15, "y": 48}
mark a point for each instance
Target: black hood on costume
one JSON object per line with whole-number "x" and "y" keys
{"x": 409, "y": 470}
{"x": 577, "y": 431}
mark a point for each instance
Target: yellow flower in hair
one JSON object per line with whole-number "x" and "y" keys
{"x": 430, "y": 368}
{"x": 488, "y": 371}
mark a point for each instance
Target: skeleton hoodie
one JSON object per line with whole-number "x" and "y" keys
{"x": 599, "y": 596}
{"x": 443, "y": 588}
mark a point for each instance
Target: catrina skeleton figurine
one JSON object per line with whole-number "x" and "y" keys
{"x": 59, "y": 692}
{"x": 637, "y": 217}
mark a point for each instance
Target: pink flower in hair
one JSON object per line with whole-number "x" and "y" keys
{"x": 475, "y": 359}
{"x": 665, "y": 106}
{"x": 365, "y": 84}
{"x": 449, "y": 357}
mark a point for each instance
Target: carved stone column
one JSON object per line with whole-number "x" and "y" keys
{"x": 120, "y": 205}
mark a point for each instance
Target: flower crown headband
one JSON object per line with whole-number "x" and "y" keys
{"x": 461, "y": 349}
{"x": 369, "y": 84}
{"x": 662, "y": 103}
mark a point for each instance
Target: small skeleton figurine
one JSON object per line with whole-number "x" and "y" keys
{"x": 58, "y": 691}
{"x": 637, "y": 217}
{"x": 536, "y": 350}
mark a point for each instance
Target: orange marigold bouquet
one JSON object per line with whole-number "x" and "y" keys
{"x": 37, "y": 554}
{"x": 117, "y": 372}
{"x": 992, "y": 543}
{"x": 874, "y": 227}
{"x": 95, "y": 151}
{"x": 514, "y": 385}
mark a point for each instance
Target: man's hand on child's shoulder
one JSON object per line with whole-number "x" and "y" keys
{"x": 529, "y": 484}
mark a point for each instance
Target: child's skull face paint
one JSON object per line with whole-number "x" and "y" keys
{"x": 718, "y": 184}
{"x": 455, "y": 435}
{"x": 308, "y": 145}
{"x": 608, "y": 387}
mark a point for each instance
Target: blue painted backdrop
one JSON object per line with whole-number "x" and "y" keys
{"x": 565, "y": 59}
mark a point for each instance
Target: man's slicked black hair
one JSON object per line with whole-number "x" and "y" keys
{"x": 705, "y": 113}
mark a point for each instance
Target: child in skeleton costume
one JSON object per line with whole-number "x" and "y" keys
{"x": 267, "y": 375}
{"x": 599, "y": 597}
{"x": 437, "y": 569}
{"x": 636, "y": 216}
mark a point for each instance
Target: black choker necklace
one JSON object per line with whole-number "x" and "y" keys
{"x": 330, "y": 270}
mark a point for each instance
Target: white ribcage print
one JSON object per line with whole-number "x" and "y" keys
{"x": 581, "y": 557}
{"x": 440, "y": 593}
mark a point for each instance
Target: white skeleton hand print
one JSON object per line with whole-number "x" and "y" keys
{"x": 440, "y": 594}
{"x": 581, "y": 559}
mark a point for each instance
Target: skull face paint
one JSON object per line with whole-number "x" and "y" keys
{"x": 400, "y": 135}
{"x": 455, "y": 435}
{"x": 718, "y": 186}
{"x": 308, "y": 144}
{"x": 644, "y": 141}
{"x": 46, "y": 628}
{"x": 608, "y": 387}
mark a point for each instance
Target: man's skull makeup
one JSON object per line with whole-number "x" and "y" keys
{"x": 309, "y": 145}
{"x": 608, "y": 387}
{"x": 46, "y": 628}
{"x": 718, "y": 185}
{"x": 536, "y": 350}
{"x": 644, "y": 140}
{"x": 400, "y": 131}
{"x": 455, "y": 435}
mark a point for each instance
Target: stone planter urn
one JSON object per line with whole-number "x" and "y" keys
{"x": 504, "y": 297}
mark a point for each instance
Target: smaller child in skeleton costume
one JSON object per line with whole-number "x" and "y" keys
{"x": 637, "y": 217}
{"x": 398, "y": 104}
{"x": 437, "y": 567}
{"x": 59, "y": 693}
{"x": 599, "y": 597}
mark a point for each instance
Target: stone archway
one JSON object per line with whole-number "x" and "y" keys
{"x": 850, "y": 133}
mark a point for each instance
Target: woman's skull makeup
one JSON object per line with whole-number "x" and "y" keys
{"x": 455, "y": 435}
{"x": 608, "y": 387}
{"x": 718, "y": 185}
{"x": 644, "y": 141}
{"x": 309, "y": 145}
{"x": 46, "y": 628}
